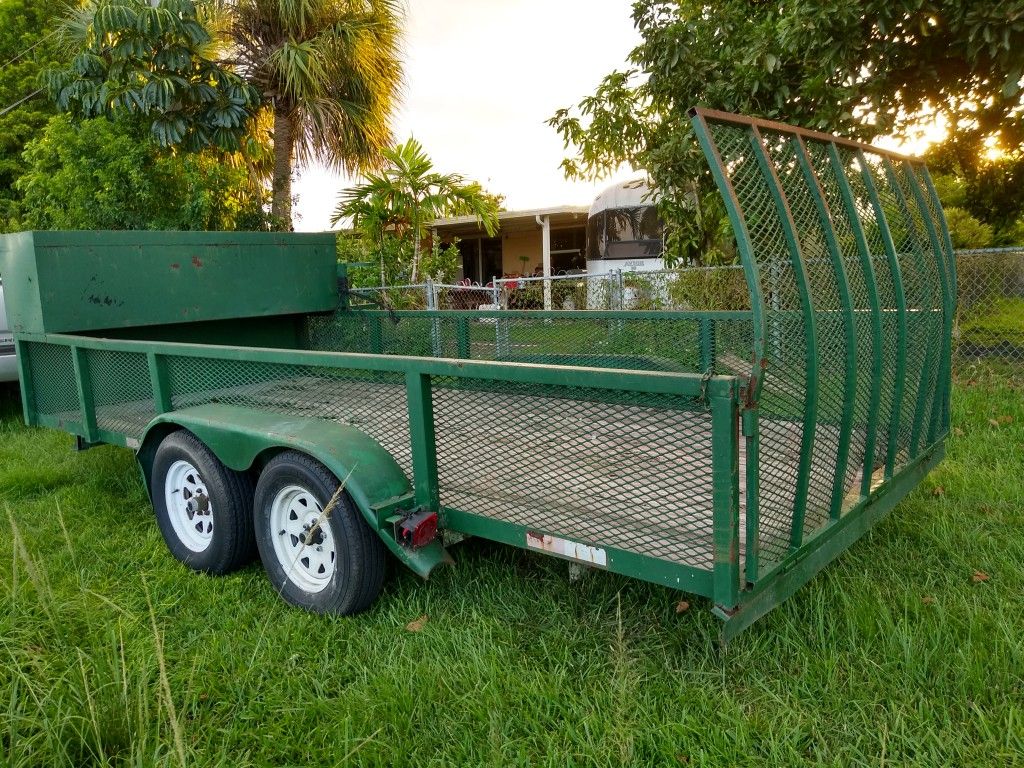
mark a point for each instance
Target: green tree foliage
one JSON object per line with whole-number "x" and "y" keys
{"x": 324, "y": 75}
{"x": 966, "y": 231}
{"x": 863, "y": 69}
{"x": 27, "y": 44}
{"x": 330, "y": 71}
{"x": 991, "y": 190}
{"x": 439, "y": 262}
{"x": 402, "y": 199}
{"x": 158, "y": 61}
{"x": 102, "y": 174}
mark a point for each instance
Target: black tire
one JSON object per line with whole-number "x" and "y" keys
{"x": 354, "y": 551}
{"x": 228, "y": 513}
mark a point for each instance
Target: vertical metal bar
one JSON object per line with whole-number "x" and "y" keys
{"x": 726, "y": 513}
{"x": 421, "y": 435}
{"x": 85, "y": 399}
{"x": 706, "y": 344}
{"x": 25, "y": 381}
{"x": 747, "y": 256}
{"x": 751, "y": 433}
{"x": 952, "y": 282}
{"x": 920, "y": 318}
{"x": 810, "y": 419}
{"x": 901, "y": 311}
{"x": 850, "y": 384}
{"x": 462, "y": 333}
{"x": 871, "y": 281}
{"x": 160, "y": 382}
{"x": 343, "y": 295}
{"x": 947, "y": 319}
{"x": 435, "y": 328}
{"x": 376, "y": 334}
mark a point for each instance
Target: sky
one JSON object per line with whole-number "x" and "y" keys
{"x": 482, "y": 77}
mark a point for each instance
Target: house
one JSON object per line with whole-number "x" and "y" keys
{"x": 544, "y": 241}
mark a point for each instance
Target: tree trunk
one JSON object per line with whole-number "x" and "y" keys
{"x": 415, "y": 241}
{"x": 284, "y": 142}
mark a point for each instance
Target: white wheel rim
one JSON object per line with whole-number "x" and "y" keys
{"x": 303, "y": 542}
{"x": 188, "y": 506}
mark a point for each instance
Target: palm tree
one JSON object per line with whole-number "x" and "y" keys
{"x": 331, "y": 73}
{"x": 404, "y": 197}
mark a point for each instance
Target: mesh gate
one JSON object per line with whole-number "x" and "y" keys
{"x": 852, "y": 284}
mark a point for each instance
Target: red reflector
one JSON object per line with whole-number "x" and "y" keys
{"x": 418, "y": 529}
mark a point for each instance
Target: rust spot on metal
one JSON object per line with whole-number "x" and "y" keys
{"x": 197, "y": 262}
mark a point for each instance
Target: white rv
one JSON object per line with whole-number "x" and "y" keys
{"x": 624, "y": 232}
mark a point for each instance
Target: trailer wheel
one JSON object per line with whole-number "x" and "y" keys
{"x": 318, "y": 556}
{"x": 204, "y": 509}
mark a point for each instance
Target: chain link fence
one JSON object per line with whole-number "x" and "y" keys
{"x": 989, "y": 330}
{"x": 702, "y": 288}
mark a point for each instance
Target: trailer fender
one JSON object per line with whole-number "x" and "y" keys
{"x": 246, "y": 439}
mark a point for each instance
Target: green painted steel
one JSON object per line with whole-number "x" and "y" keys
{"x": 828, "y": 230}
{"x": 423, "y": 439}
{"x": 730, "y": 454}
{"x": 949, "y": 268}
{"x": 826, "y": 546}
{"x": 86, "y": 406}
{"x": 751, "y": 436}
{"x": 852, "y": 218}
{"x": 896, "y": 272}
{"x": 657, "y": 571}
{"x": 809, "y": 321}
{"x": 725, "y": 479}
{"x": 848, "y": 248}
{"x": 84, "y": 281}
{"x": 745, "y": 245}
{"x": 942, "y": 259}
{"x": 923, "y": 301}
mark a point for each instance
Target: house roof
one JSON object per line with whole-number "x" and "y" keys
{"x": 515, "y": 221}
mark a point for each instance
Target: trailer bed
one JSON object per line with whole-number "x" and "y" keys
{"x": 572, "y": 468}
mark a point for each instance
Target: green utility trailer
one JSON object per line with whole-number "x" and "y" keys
{"x": 730, "y": 454}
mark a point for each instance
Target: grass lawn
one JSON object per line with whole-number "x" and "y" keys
{"x": 908, "y": 650}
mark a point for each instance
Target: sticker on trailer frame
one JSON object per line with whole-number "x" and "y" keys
{"x": 571, "y": 549}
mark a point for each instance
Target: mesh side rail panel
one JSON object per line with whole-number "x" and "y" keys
{"x": 867, "y": 327}
{"x": 631, "y": 471}
{"x": 121, "y": 391}
{"x": 627, "y": 340}
{"x": 784, "y": 384}
{"x": 610, "y": 467}
{"x": 583, "y": 463}
{"x": 850, "y": 240}
{"x": 54, "y": 389}
{"x": 373, "y": 401}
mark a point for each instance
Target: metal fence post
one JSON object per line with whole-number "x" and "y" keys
{"x": 725, "y": 462}
{"x": 421, "y": 434}
{"x": 501, "y": 344}
{"x": 85, "y": 399}
{"x": 435, "y": 327}
{"x": 160, "y": 383}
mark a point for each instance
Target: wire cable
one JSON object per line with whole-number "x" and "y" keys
{"x": 29, "y": 49}
{"x": 20, "y": 101}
